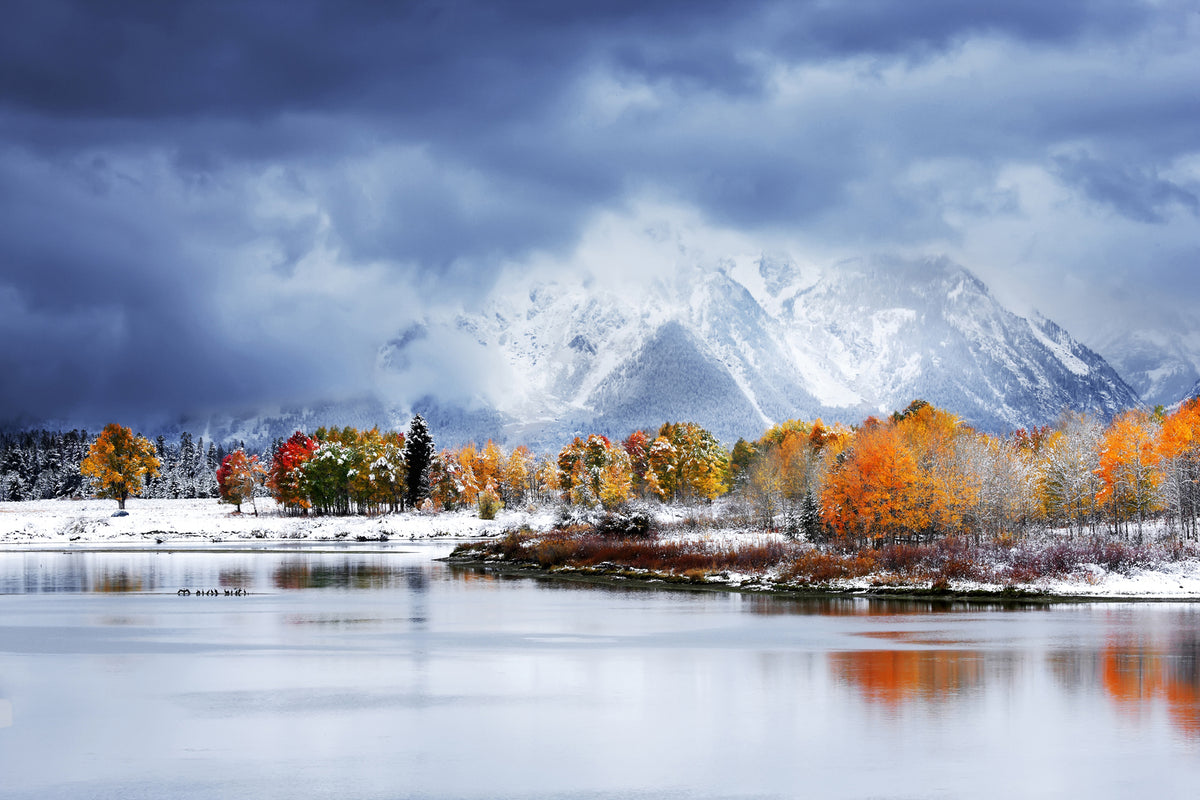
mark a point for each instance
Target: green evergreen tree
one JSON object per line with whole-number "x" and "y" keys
{"x": 418, "y": 455}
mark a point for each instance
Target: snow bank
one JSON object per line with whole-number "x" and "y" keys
{"x": 55, "y": 522}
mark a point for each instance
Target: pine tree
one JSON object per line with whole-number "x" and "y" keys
{"x": 418, "y": 454}
{"x": 185, "y": 466}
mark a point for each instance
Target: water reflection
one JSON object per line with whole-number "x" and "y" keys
{"x": 235, "y": 578}
{"x": 899, "y": 677}
{"x": 119, "y": 580}
{"x": 166, "y": 572}
{"x": 825, "y": 606}
{"x": 405, "y": 680}
{"x": 303, "y": 573}
{"x": 1138, "y": 679}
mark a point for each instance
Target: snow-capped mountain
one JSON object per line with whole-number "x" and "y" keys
{"x": 1162, "y": 367}
{"x": 757, "y": 341}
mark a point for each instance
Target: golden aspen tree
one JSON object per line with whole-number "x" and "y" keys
{"x": 946, "y": 488}
{"x": 873, "y": 492}
{"x": 1179, "y": 451}
{"x": 1128, "y": 470}
{"x": 118, "y": 461}
{"x": 517, "y": 482}
{"x": 616, "y": 479}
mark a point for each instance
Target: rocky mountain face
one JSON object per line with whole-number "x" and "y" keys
{"x": 1163, "y": 367}
{"x": 751, "y": 343}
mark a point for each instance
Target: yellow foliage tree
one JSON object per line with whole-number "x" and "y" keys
{"x": 1179, "y": 451}
{"x": 118, "y": 461}
{"x": 1129, "y": 473}
{"x": 518, "y": 480}
{"x": 616, "y": 479}
{"x": 947, "y": 487}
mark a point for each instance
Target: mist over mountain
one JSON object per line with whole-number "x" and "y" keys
{"x": 736, "y": 346}
{"x": 1162, "y": 366}
{"x": 753, "y": 342}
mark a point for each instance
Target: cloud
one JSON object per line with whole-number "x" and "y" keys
{"x": 231, "y": 203}
{"x": 1140, "y": 195}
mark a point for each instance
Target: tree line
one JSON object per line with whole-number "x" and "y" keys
{"x": 917, "y": 475}
{"x": 43, "y": 465}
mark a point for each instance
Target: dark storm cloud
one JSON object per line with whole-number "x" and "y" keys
{"x": 199, "y": 197}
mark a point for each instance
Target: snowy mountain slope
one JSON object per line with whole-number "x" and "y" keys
{"x": 735, "y": 347}
{"x": 759, "y": 340}
{"x": 1161, "y": 366}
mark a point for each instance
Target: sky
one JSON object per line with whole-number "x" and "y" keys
{"x": 219, "y": 205}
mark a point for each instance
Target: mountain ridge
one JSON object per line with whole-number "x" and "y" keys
{"x": 735, "y": 346}
{"x": 755, "y": 341}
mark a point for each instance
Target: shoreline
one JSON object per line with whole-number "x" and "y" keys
{"x": 623, "y": 577}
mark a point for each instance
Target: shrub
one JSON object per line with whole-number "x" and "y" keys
{"x": 631, "y": 522}
{"x": 815, "y": 566}
{"x": 489, "y": 503}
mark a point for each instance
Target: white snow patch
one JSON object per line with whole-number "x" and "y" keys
{"x": 66, "y": 522}
{"x": 1060, "y": 351}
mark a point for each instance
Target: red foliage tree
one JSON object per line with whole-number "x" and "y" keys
{"x": 237, "y": 479}
{"x": 286, "y": 478}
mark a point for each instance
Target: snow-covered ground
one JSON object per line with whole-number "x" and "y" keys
{"x": 54, "y": 523}
{"x": 1176, "y": 581}
{"x": 66, "y": 522}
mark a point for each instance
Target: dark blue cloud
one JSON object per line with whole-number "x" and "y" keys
{"x": 1138, "y": 194}
{"x": 156, "y": 157}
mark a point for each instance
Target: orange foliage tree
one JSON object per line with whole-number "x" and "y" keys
{"x": 948, "y": 487}
{"x": 908, "y": 477}
{"x": 286, "y": 476}
{"x": 1179, "y": 451}
{"x": 873, "y": 492}
{"x": 1128, "y": 469}
{"x": 238, "y": 477}
{"x": 118, "y": 461}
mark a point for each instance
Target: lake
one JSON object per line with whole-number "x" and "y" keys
{"x": 366, "y": 673}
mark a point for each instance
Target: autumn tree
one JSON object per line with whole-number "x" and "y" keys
{"x": 946, "y": 487}
{"x": 1067, "y": 469}
{"x": 118, "y": 462}
{"x": 519, "y": 481}
{"x": 327, "y": 477}
{"x": 1128, "y": 468}
{"x": 688, "y": 463}
{"x": 489, "y": 467}
{"x": 1179, "y": 454}
{"x": 286, "y": 478}
{"x": 637, "y": 447}
{"x": 594, "y": 471}
{"x": 238, "y": 479}
{"x": 547, "y": 478}
{"x": 741, "y": 459}
{"x": 874, "y": 493}
{"x": 782, "y": 474}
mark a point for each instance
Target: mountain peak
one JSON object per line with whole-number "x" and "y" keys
{"x": 755, "y": 341}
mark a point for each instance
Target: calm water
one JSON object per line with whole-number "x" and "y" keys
{"x": 365, "y": 674}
